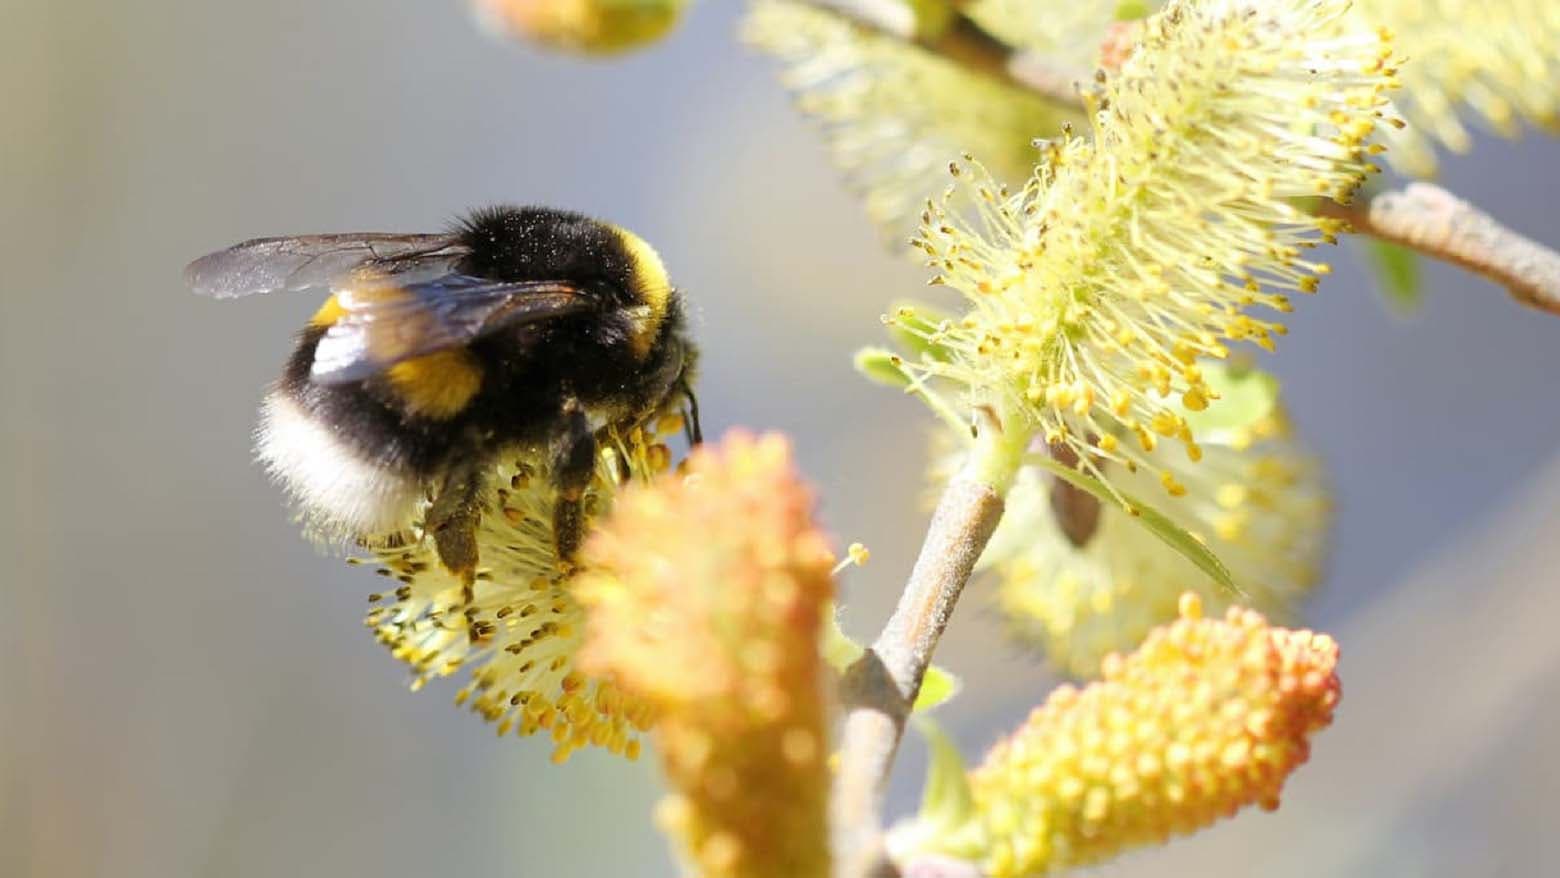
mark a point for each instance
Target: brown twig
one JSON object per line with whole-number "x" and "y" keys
{"x": 1433, "y": 221}
{"x": 879, "y": 689}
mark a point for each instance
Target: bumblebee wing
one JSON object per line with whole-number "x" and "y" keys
{"x": 306, "y": 262}
{"x": 382, "y": 324}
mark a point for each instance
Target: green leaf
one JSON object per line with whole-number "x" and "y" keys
{"x": 932, "y": 17}
{"x": 946, "y": 802}
{"x": 1245, "y": 395}
{"x": 882, "y": 366}
{"x": 840, "y": 651}
{"x": 912, "y": 322}
{"x": 1160, "y": 526}
{"x": 947, "y": 823}
{"x": 886, "y": 367}
{"x": 936, "y": 687}
{"x": 1398, "y": 275}
{"x": 1132, "y": 10}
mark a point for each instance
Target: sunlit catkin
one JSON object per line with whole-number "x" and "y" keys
{"x": 1208, "y": 716}
{"x": 520, "y": 627}
{"x": 1170, "y": 235}
{"x": 1256, "y": 500}
{"x": 1069, "y": 35}
{"x": 1496, "y": 61}
{"x": 895, "y": 114}
{"x": 706, "y": 593}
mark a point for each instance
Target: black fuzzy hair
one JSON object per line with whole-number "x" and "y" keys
{"x": 513, "y": 243}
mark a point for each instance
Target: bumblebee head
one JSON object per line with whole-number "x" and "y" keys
{"x": 618, "y": 269}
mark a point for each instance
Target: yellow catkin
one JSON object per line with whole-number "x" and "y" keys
{"x": 1494, "y": 61}
{"x": 895, "y": 114}
{"x": 1208, "y": 716}
{"x": 594, "y": 27}
{"x": 706, "y": 594}
{"x": 519, "y": 633}
{"x": 1256, "y": 500}
{"x": 1070, "y": 35}
{"x": 1170, "y": 236}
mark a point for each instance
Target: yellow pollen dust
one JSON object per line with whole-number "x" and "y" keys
{"x": 519, "y": 629}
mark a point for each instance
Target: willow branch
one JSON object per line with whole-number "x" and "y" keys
{"x": 967, "y": 44}
{"x": 879, "y": 689}
{"x": 1433, "y": 221}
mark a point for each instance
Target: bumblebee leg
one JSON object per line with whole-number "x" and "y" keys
{"x": 573, "y": 463}
{"x": 624, "y": 470}
{"x": 691, "y": 427}
{"x": 453, "y": 520}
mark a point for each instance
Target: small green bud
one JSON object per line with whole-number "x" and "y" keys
{"x": 1132, "y": 10}
{"x": 915, "y": 326}
{"x": 883, "y": 366}
{"x": 932, "y": 17}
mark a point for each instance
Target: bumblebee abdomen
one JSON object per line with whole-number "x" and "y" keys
{"x": 381, "y": 424}
{"x": 344, "y": 493}
{"x": 438, "y": 386}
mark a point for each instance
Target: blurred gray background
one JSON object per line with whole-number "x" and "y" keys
{"x": 185, "y": 688}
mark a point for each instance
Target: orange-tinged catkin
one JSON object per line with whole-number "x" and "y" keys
{"x": 1206, "y": 717}
{"x": 705, "y": 595}
{"x": 592, "y": 27}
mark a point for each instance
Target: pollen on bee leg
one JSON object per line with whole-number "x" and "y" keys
{"x": 659, "y": 457}
{"x": 515, "y": 623}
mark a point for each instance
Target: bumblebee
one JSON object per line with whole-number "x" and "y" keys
{"x": 523, "y": 330}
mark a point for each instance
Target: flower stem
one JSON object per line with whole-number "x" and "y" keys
{"x": 1433, "y": 221}
{"x": 879, "y": 689}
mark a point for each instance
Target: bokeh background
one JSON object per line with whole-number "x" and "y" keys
{"x": 185, "y": 688}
